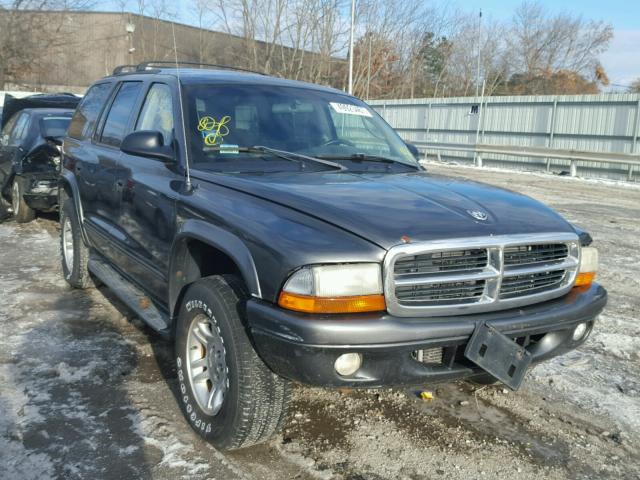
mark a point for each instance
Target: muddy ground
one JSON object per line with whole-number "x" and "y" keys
{"x": 87, "y": 391}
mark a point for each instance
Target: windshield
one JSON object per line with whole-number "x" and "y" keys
{"x": 225, "y": 121}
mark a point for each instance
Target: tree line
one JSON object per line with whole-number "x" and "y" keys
{"x": 416, "y": 48}
{"x": 403, "y": 48}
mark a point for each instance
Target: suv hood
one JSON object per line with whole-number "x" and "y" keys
{"x": 383, "y": 208}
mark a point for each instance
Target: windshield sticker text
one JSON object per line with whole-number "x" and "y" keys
{"x": 214, "y": 131}
{"x": 348, "y": 109}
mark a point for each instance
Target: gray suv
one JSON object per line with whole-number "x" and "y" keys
{"x": 305, "y": 242}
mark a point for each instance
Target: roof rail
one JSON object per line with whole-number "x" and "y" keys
{"x": 124, "y": 69}
{"x": 168, "y": 64}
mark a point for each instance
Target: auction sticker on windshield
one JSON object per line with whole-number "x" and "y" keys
{"x": 350, "y": 109}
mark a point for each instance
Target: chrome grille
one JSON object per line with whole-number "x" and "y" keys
{"x": 534, "y": 254}
{"x": 531, "y": 283}
{"x": 449, "y": 277}
{"x": 441, "y": 293}
{"x": 442, "y": 262}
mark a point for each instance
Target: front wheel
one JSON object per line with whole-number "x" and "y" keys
{"x": 21, "y": 211}
{"x": 227, "y": 393}
{"x": 74, "y": 253}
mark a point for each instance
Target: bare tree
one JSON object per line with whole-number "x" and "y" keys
{"x": 545, "y": 43}
{"x": 294, "y": 38}
{"x": 203, "y": 16}
{"x": 27, "y": 38}
{"x": 404, "y": 48}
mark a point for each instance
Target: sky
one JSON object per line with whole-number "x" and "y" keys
{"x": 622, "y": 59}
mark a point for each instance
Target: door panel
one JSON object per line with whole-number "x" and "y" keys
{"x": 148, "y": 201}
{"x": 148, "y": 221}
{"x": 106, "y": 177}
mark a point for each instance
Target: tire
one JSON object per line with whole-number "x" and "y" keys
{"x": 21, "y": 211}
{"x": 73, "y": 252}
{"x": 5, "y": 209}
{"x": 251, "y": 403}
{"x": 484, "y": 379}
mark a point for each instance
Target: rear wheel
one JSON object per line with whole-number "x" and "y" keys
{"x": 74, "y": 253}
{"x": 21, "y": 211}
{"x": 227, "y": 393}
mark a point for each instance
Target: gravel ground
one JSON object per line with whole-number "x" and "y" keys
{"x": 87, "y": 391}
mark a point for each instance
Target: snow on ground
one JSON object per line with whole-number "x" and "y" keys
{"x": 68, "y": 366}
{"x": 87, "y": 391}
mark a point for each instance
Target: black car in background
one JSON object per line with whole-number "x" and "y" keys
{"x": 32, "y": 132}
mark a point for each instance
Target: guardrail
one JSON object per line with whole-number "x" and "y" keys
{"x": 479, "y": 149}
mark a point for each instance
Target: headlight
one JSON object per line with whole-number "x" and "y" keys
{"x": 588, "y": 266}
{"x": 346, "y": 288}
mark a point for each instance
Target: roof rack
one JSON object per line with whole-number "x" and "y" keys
{"x": 168, "y": 64}
{"x": 124, "y": 69}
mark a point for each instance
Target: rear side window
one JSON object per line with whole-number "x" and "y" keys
{"x": 87, "y": 112}
{"x": 115, "y": 125}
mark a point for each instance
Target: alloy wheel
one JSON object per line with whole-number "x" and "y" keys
{"x": 206, "y": 364}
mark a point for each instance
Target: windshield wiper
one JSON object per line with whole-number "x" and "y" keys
{"x": 296, "y": 157}
{"x": 290, "y": 156}
{"x": 365, "y": 157}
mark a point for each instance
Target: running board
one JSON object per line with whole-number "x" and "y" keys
{"x": 132, "y": 296}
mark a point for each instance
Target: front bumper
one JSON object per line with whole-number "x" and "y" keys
{"x": 304, "y": 347}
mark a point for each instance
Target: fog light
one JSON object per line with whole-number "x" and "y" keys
{"x": 579, "y": 332}
{"x": 348, "y": 364}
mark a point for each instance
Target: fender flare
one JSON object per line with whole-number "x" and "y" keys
{"x": 218, "y": 238}
{"x": 67, "y": 178}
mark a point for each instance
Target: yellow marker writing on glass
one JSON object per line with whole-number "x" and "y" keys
{"x": 216, "y": 130}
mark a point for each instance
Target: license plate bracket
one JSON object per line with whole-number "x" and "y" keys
{"x": 498, "y": 354}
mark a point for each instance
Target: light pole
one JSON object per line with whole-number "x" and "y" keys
{"x": 130, "y": 28}
{"x": 353, "y": 17}
{"x": 479, "y": 47}
{"x": 369, "y": 67}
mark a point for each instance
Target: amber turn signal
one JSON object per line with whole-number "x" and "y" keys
{"x": 585, "y": 279}
{"x": 355, "y": 304}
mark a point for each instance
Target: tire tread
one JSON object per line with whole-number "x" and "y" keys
{"x": 263, "y": 396}
{"x": 25, "y": 212}
{"x": 80, "y": 278}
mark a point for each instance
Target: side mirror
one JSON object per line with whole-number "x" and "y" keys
{"x": 147, "y": 143}
{"x": 414, "y": 150}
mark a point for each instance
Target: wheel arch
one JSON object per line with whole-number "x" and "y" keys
{"x": 201, "y": 249}
{"x": 68, "y": 188}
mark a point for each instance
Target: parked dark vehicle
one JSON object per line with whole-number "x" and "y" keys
{"x": 30, "y": 141}
{"x": 306, "y": 243}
